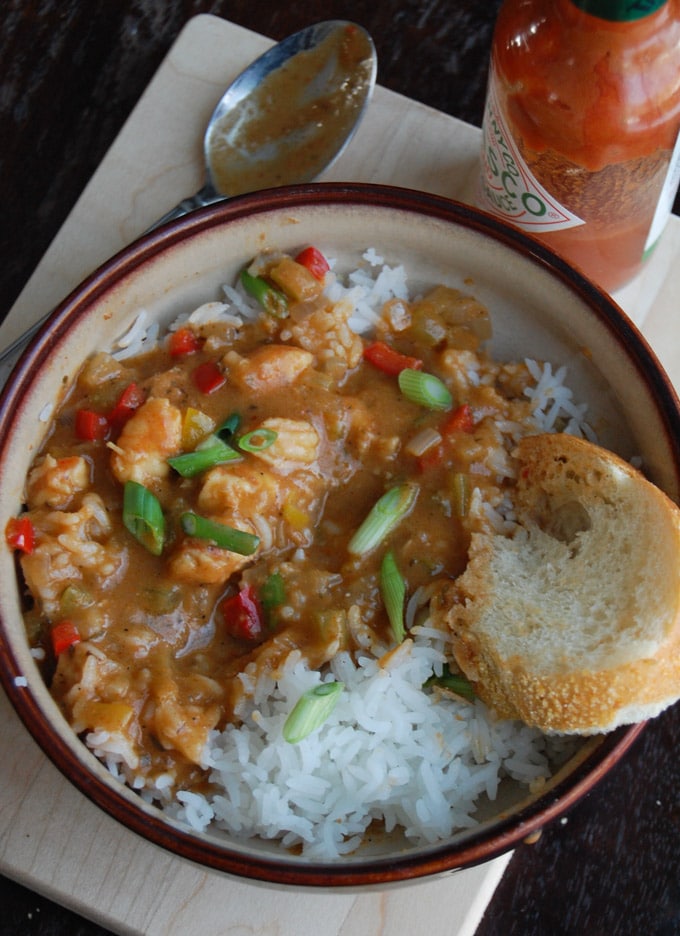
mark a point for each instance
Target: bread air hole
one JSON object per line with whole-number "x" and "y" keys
{"x": 564, "y": 521}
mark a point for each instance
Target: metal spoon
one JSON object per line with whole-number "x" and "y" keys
{"x": 289, "y": 115}
{"x": 284, "y": 120}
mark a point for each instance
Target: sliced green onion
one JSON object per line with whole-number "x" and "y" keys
{"x": 383, "y": 517}
{"x": 213, "y": 441}
{"x": 228, "y": 429}
{"x": 192, "y": 463}
{"x": 258, "y": 440}
{"x": 454, "y": 682}
{"x": 143, "y": 516}
{"x": 425, "y": 389}
{"x": 311, "y": 711}
{"x": 272, "y": 300}
{"x": 226, "y": 537}
{"x": 272, "y": 595}
{"x": 273, "y": 592}
{"x": 393, "y": 591}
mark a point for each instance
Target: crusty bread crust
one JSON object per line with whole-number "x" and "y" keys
{"x": 572, "y": 624}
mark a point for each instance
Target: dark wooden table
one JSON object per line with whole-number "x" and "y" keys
{"x": 70, "y": 73}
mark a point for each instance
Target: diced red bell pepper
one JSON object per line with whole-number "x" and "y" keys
{"x": 20, "y": 534}
{"x": 184, "y": 341}
{"x": 208, "y": 377}
{"x": 386, "y": 359}
{"x": 314, "y": 260}
{"x": 128, "y": 402}
{"x": 431, "y": 458}
{"x": 64, "y": 635}
{"x": 243, "y": 615}
{"x": 461, "y": 420}
{"x": 91, "y": 426}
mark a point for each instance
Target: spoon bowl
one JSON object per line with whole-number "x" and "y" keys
{"x": 288, "y": 116}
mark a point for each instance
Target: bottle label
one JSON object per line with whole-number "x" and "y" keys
{"x": 507, "y": 187}
{"x": 619, "y": 11}
{"x": 664, "y": 206}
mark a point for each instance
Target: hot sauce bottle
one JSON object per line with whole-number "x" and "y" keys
{"x": 582, "y": 126}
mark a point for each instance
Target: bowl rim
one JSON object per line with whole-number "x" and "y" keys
{"x": 379, "y": 871}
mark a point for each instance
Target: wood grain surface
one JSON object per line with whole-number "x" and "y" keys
{"x": 70, "y": 75}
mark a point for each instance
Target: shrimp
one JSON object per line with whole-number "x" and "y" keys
{"x": 54, "y": 482}
{"x": 149, "y": 437}
{"x": 296, "y": 445}
{"x": 186, "y": 709}
{"x": 202, "y": 563}
{"x": 70, "y": 546}
{"x": 90, "y": 707}
{"x": 327, "y": 328}
{"x": 230, "y": 497}
{"x": 179, "y": 712}
{"x": 280, "y": 511}
{"x": 272, "y": 367}
{"x": 244, "y": 489}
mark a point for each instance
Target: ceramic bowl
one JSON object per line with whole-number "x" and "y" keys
{"x": 540, "y": 307}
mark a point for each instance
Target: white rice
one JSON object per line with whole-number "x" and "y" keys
{"x": 414, "y": 760}
{"x": 140, "y": 337}
{"x": 553, "y": 401}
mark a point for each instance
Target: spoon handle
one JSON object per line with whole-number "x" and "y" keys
{"x": 206, "y": 196}
{"x": 24, "y": 338}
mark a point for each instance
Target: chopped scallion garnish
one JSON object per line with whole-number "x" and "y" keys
{"x": 226, "y": 537}
{"x": 272, "y": 596}
{"x": 258, "y": 440}
{"x": 311, "y": 711}
{"x": 272, "y": 300}
{"x": 454, "y": 682}
{"x": 228, "y": 429}
{"x": 393, "y": 591}
{"x": 425, "y": 389}
{"x": 273, "y": 591}
{"x": 385, "y": 514}
{"x": 143, "y": 516}
{"x": 203, "y": 457}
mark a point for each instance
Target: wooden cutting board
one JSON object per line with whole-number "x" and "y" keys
{"x": 52, "y": 839}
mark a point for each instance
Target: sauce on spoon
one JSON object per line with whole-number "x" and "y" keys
{"x": 294, "y": 123}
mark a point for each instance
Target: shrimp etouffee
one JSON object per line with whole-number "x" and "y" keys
{"x": 255, "y": 486}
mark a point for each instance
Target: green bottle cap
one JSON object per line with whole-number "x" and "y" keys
{"x": 619, "y": 10}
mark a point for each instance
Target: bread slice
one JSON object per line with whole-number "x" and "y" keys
{"x": 572, "y": 624}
